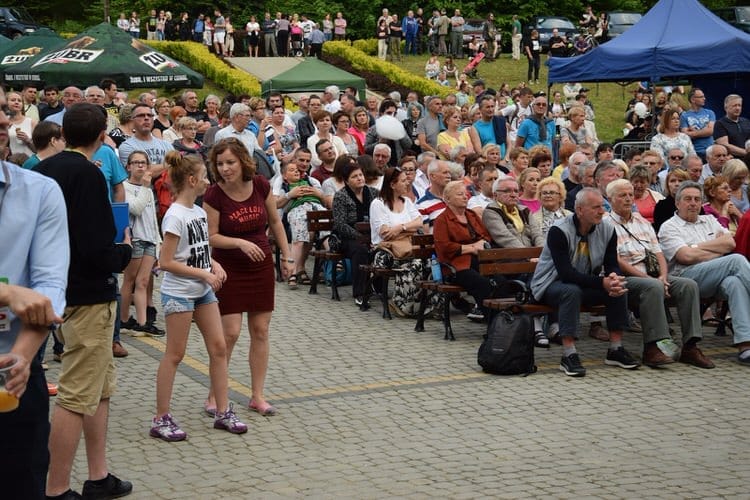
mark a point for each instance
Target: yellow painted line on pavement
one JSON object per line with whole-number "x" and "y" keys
{"x": 355, "y": 388}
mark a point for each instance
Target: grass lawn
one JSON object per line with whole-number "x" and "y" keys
{"x": 608, "y": 98}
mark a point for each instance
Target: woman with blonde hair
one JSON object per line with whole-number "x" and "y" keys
{"x": 452, "y": 136}
{"x": 162, "y": 122}
{"x": 719, "y": 203}
{"x": 736, "y": 173}
{"x": 551, "y": 192}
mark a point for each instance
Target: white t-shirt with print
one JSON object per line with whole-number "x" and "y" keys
{"x": 191, "y": 226}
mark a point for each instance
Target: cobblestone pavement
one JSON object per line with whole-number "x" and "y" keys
{"x": 370, "y": 409}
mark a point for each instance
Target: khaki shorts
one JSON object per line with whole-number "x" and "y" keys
{"x": 88, "y": 368}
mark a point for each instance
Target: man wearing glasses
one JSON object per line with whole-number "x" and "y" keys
{"x": 510, "y": 224}
{"x": 536, "y": 128}
{"x": 143, "y": 140}
{"x": 716, "y": 156}
{"x": 698, "y": 122}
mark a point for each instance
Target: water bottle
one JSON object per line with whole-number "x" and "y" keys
{"x": 437, "y": 273}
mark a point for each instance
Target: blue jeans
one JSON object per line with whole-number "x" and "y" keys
{"x": 727, "y": 277}
{"x": 568, "y": 299}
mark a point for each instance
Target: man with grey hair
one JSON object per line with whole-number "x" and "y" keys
{"x": 430, "y": 125}
{"x": 422, "y": 181}
{"x": 578, "y": 266}
{"x": 70, "y": 95}
{"x": 431, "y": 205}
{"x": 95, "y": 95}
{"x": 191, "y": 105}
{"x": 586, "y": 170}
{"x": 606, "y": 171}
{"x": 733, "y": 130}
{"x": 331, "y": 101}
{"x": 698, "y": 247}
{"x": 510, "y": 224}
{"x": 239, "y": 117}
{"x": 716, "y": 156}
{"x": 487, "y": 177}
{"x": 649, "y": 287}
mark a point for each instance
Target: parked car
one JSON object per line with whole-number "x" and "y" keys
{"x": 472, "y": 28}
{"x": 16, "y": 21}
{"x": 545, "y": 24}
{"x": 620, "y": 22}
{"x": 739, "y": 17}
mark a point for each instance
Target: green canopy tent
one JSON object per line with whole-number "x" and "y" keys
{"x": 28, "y": 47}
{"x": 312, "y": 75}
{"x": 103, "y": 52}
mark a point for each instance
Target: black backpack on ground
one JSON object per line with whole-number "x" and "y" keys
{"x": 508, "y": 346}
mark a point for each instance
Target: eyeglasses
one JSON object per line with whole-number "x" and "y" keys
{"x": 507, "y": 191}
{"x": 144, "y": 115}
{"x": 550, "y": 193}
{"x": 676, "y": 157}
{"x": 409, "y": 170}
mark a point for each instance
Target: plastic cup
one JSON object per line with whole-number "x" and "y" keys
{"x": 8, "y": 402}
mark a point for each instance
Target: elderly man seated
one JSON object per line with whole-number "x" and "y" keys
{"x": 649, "y": 284}
{"x": 578, "y": 266}
{"x": 510, "y": 224}
{"x": 698, "y": 247}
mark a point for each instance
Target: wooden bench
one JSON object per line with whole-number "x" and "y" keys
{"x": 517, "y": 261}
{"x": 319, "y": 221}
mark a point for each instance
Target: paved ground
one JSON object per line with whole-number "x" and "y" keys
{"x": 371, "y": 409}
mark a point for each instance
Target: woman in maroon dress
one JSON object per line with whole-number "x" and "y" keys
{"x": 239, "y": 206}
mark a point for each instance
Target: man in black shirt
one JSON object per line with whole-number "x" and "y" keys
{"x": 733, "y": 130}
{"x": 557, "y": 44}
{"x": 90, "y": 312}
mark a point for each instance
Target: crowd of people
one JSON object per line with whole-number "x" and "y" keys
{"x": 207, "y": 183}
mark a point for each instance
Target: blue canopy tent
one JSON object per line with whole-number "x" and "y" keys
{"x": 676, "y": 39}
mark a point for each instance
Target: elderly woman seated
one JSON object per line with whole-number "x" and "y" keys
{"x": 459, "y": 236}
{"x": 512, "y": 226}
{"x": 641, "y": 260}
{"x": 551, "y": 191}
{"x": 645, "y": 198}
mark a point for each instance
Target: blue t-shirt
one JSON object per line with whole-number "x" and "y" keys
{"x": 698, "y": 120}
{"x": 110, "y": 167}
{"x": 529, "y": 130}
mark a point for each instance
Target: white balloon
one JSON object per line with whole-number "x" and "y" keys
{"x": 388, "y": 127}
{"x": 640, "y": 109}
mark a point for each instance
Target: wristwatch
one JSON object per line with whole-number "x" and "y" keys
{"x": 289, "y": 261}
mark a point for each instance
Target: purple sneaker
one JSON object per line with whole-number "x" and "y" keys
{"x": 166, "y": 428}
{"x": 228, "y": 421}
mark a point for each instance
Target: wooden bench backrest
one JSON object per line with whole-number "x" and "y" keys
{"x": 320, "y": 220}
{"x": 508, "y": 260}
{"x": 423, "y": 246}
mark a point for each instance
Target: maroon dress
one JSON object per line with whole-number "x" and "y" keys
{"x": 250, "y": 285}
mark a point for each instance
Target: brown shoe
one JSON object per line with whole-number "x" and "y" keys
{"x": 693, "y": 356}
{"x": 598, "y": 332}
{"x": 653, "y": 356}
{"x": 118, "y": 350}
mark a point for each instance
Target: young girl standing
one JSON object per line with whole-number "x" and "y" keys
{"x": 190, "y": 280}
{"x": 145, "y": 234}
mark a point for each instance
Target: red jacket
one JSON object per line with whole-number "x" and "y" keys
{"x": 450, "y": 234}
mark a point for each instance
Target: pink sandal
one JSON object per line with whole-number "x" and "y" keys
{"x": 265, "y": 409}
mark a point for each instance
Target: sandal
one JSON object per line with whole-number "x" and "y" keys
{"x": 292, "y": 282}
{"x": 541, "y": 340}
{"x": 265, "y": 409}
{"x": 303, "y": 278}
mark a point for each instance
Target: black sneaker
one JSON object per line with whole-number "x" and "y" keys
{"x": 109, "y": 487}
{"x": 476, "y": 314}
{"x": 149, "y": 329}
{"x": 150, "y": 314}
{"x": 622, "y": 358}
{"x": 130, "y": 324}
{"x": 68, "y": 495}
{"x": 572, "y": 366}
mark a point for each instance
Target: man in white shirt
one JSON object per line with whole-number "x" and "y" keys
{"x": 239, "y": 117}
{"x": 487, "y": 177}
{"x": 331, "y": 99}
{"x": 698, "y": 247}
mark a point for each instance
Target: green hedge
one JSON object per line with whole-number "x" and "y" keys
{"x": 198, "y": 57}
{"x": 361, "y": 61}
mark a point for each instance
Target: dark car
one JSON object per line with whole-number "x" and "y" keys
{"x": 620, "y": 22}
{"x": 472, "y": 28}
{"x": 739, "y": 17}
{"x": 545, "y": 24}
{"x": 16, "y": 21}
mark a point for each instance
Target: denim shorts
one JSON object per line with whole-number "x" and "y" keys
{"x": 171, "y": 304}
{"x": 141, "y": 248}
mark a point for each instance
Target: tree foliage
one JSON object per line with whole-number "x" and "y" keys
{"x": 360, "y": 14}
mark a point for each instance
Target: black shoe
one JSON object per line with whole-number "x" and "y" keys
{"x": 358, "y": 301}
{"x": 109, "y": 487}
{"x": 572, "y": 366}
{"x": 462, "y": 304}
{"x": 130, "y": 324}
{"x": 150, "y": 329}
{"x": 622, "y": 358}
{"x": 150, "y": 314}
{"x": 68, "y": 495}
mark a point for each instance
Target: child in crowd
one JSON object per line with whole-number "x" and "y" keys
{"x": 145, "y": 235}
{"x": 303, "y": 198}
{"x": 187, "y": 292}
